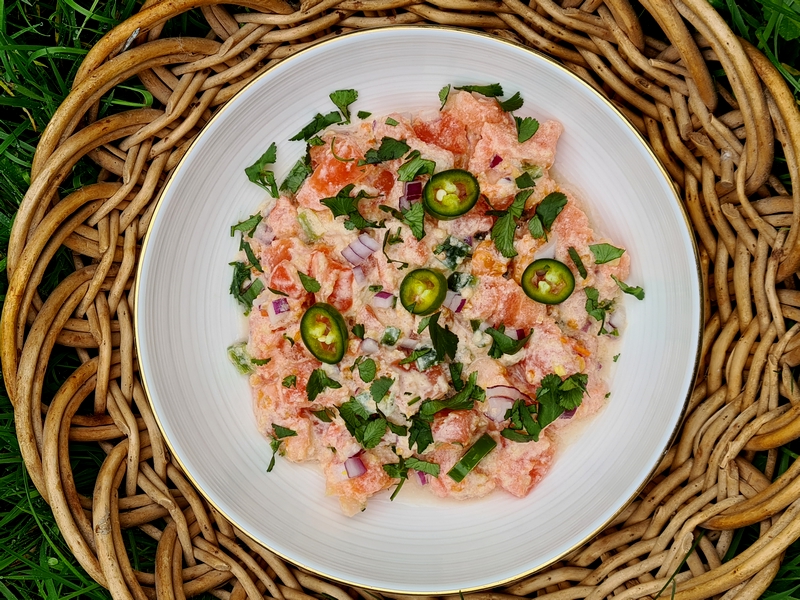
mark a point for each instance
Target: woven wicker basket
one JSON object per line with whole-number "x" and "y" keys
{"x": 717, "y": 140}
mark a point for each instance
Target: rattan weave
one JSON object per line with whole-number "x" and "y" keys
{"x": 717, "y": 137}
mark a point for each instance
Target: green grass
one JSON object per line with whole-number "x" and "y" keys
{"x": 41, "y": 46}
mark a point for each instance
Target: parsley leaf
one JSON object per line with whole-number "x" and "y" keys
{"x": 289, "y": 381}
{"x": 492, "y": 90}
{"x": 358, "y": 330}
{"x": 380, "y": 387}
{"x": 347, "y": 206}
{"x": 365, "y": 428}
{"x": 546, "y": 212}
{"x": 526, "y": 128}
{"x": 576, "y": 258}
{"x": 414, "y": 167}
{"x": 248, "y": 226}
{"x": 309, "y": 283}
{"x": 505, "y": 227}
{"x": 604, "y": 253}
{"x": 367, "y": 370}
{"x": 443, "y": 94}
{"x": 444, "y": 341}
{"x": 597, "y": 308}
{"x": 296, "y": 177}
{"x": 414, "y": 217}
{"x": 512, "y": 104}
{"x": 317, "y": 383}
{"x": 503, "y": 344}
{"x": 260, "y": 175}
{"x": 317, "y": 124}
{"x": 343, "y": 99}
{"x": 390, "y": 149}
{"x": 637, "y": 292}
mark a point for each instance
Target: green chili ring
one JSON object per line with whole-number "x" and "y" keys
{"x": 548, "y": 281}
{"x": 324, "y": 332}
{"x": 450, "y": 194}
{"x": 423, "y": 291}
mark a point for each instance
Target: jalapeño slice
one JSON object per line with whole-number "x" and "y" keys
{"x": 423, "y": 291}
{"x": 450, "y": 194}
{"x": 548, "y": 281}
{"x": 324, "y": 332}
{"x": 472, "y": 457}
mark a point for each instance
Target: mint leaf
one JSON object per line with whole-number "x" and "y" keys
{"x": 549, "y": 208}
{"x": 573, "y": 254}
{"x": 317, "y": 382}
{"x": 260, "y": 175}
{"x": 512, "y": 104}
{"x": 526, "y": 128}
{"x": 604, "y": 253}
{"x": 309, "y": 283}
{"x": 317, "y": 124}
{"x": 492, "y": 90}
{"x": 380, "y": 387}
{"x": 390, "y": 149}
{"x": 343, "y": 99}
{"x": 373, "y": 432}
{"x": 503, "y": 235}
{"x": 323, "y": 415}
{"x": 536, "y": 228}
{"x": 525, "y": 181}
{"x": 636, "y": 292}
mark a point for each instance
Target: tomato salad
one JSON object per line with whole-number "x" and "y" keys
{"x": 425, "y": 301}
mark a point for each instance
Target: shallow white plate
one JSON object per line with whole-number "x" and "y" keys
{"x": 185, "y": 319}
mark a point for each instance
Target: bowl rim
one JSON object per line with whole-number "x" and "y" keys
{"x": 625, "y": 121}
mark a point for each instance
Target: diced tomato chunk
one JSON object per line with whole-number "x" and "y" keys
{"x": 448, "y": 133}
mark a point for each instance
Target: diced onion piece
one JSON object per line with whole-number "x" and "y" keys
{"x": 407, "y": 343}
{"x": 358, "y": 275}
{"x": 383, "y": 300}
{"x": 505, "y": 391}
{"x": 496, "y": 160}
{"x": 454, "y": 301}
{"x": 497, "y": 406}
{"x": 515, "y": 334}
{"x": 369, "y": 346}
{"x": 549, "y": 248}
{"x": 568, "y": 414}
{"x": 423, "y": 478}
{"x": 354, "y": 467}
{"x": 413, "y": 190}
{"x": 264, "y": 233}
{"x": 483, "y": 326}
{"x": 369, "y": 242}
{"x": 277, "y": 310}
{"x": 404, "y": 203}
{"x": 352, "y": 257}
{"x": 360, "y": 249}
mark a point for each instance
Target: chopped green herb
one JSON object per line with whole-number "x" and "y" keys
{"x": 390, "y": 149}
{"x": 597, "y": 308}
{"x": 317, "y": 383}
{"x": 391, "y": 122}
{"x": 492, "y": 90}
{"x": 345, "y": 205}
{"x": 414, "y": 217}
{"x": 636, "y": 292}
{"x": 343, "y": 99}
{"x": 380, "y": 387}
{"x": 389, "y": 238}
{"x": 358, "y": 331}
{"x": 463, "y": 400}
{"x": 423, "y": 323}
{"x": 576, "y": 258}
{"x": 242, "y": 288}
{"x": 260, "y": 362}
{"x": 260, "y": 175}
{"x": 505, "y": 227}
{"x": 289, "y": 381}
{"x": 278, "y": 292}
{"x": 375, "y": 288}
{"x": 316, "y": 141}
{"x": 365, "y": 428}
{"x": 367, "y": 370}
{"x": 323, "y": 415}
{"x": 420, "y": 434}
{"x": 248, "y": 226}
{"x": 546, "y": 212}
{"x": 604, "y": 253}
{"x": 297, "y": 175}
{"x": 248, "y": 251}
{"x": 443, "y": 94}
{"x": 283, "y": 432}
{"x": 503, "y": 344}
{"x": 444, "y": 341}
{"x": 418, "y": 353}
{"x": 512, "y": 104}
{"x": 317, "y": 124}
{"x": 275, "y": 444}
{"x": 526, "y": 128}
{"x": 362, "y": 114}
{"x": 456, "y": 368}
{"x": 415, "y": 166}
{"x": 309, "y": 283}
{"x": 525, "y": 181}
{"x": 475, "y": 324}
{"x": 616, "y": 357}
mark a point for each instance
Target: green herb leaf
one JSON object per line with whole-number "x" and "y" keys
{"x": 414, "y": 167}
{"x": 492, "y": 90}
{"x": 380, "y": 387}
{"x": 367, "y": 370}
{"x": 391, "y": 122}
{"x": 343, "y": 99}
{"x": 444, "y": 341}
{"x": 604, "y": 253}
{"x": 443, "y": 94}
{"x": 420, "y": 434}
{"x": 525, "y": 181}
{"x": 536, "y": 228}
{"x": 241, "y": 288}
{"x": 414, "y": 217}
{"x": 418, "y": 353}
{"x": 503, "y": 344}
{"x": 549, "y": 208}
{"x": 248, "y": 226}
{"x": 373, "y": 432}
{"x": 637, "y": 292}
{"x": 576, "y": 258}
{"x": 423, "y": 323}
{"x": 572, "y": 390}
{"x": 248, "y": 251}
{"x": 316, "y": 141}
{"x": 345, "y": 205}
{"x": 526, "y": 128}
{"x": 362, "y": 114}
{"x": 275, "y": 444}
{"x": 289, "y": 381}
{"x": 323, "y": 415}
{"x": 456, "y": 368}
{"x": 597, "y": 308}
{"x": 463, "y": 400}
{"x": 358, "y": 331}
{"x": 390, "y": 149}
{"x": 421, "y": 465}
{"x": 317, "y": 382}
{"x": 503, "y": 235}
{"x": 298, "y": 174}
{"x": 388, "y": 239}
{"x": 260, "y": 175}
{"x": 512, "y": 104}
{"x": 309, "y": 283}
{"x": 260, "y": 362}
{"x": 283, "y": 432}
{"x": 317, "y": 124}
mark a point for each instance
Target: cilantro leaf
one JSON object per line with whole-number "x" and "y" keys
{"x": 283, "y": 432}
{"x": 492, "y": 90}
{"x": 323, "y": 415}
{"x": 380, "y": 387}
{"x": 367, "y": 370}
{"x": 637, "y": 292}
{"x": 345, "y": 205}
{"x": 572, "y": 390}
{"x": 512, "y": 104}
{"x": 358, "y": 330}
{"x": 526, "y": 128}
{"x": 390, "y": 149}
{"x": 423, "y": 323}
{"x": 546, "y": 212}
{"x": 244, "y": 290}
{"x": 289, "y": 381}
{"x": 373, "y": 432}
{"x": 391, "y": 122}
{"x": 362, "y": 114}
{"x": 504, "y": 344}
{"x": 248, "y": 251}
{"x": 421, "y": 465}
{"x": 604, "y": 253}
{"x": 350, "y": 410}
{"x": 388, "y": 239}
{"x": 456, "y": 369}
{"x": 444, "y": 341}
{"x": 275, "y": 444}
{"x": 576, "y": 258}
{"x": 418, "y": 353}
{"x": 536, "y": 228}
{"x": 443, "y": 94}
{"x": 414, "y": 217}
{"x": 309, "y": 283}
{"x": 525, "y": 181}
{"x": 248, "y": 226}
{"x": 260, "y": 175}
{"x": 297, "y": 176}
{"x": 463, "y": 400}
{"x": 317, "y": 124}
{"x": 420, "y": 434}
{"x": 597, "y": 308}
{"x": 415, "y": 166}
{"x": 343, "y": 99}
{"x": 505, "y": 227}
{"x": 518, "y": 205}
{"x": 317, "y": 383}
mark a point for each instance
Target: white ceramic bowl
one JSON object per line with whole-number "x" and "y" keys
{"x": 185, "y": 319}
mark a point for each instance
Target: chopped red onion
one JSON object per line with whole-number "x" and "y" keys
{"x": 354, "y": 467}
{"x": 468, "y": 240}
{"x": 496, "y": 407}
{"x": 413, "y": 190}
{"x": 568, "y": 414}
{"x": 352, "y": 257}
{"x": 423, "y": 478}
{"x": 383, "y": 300}
{"x": 407, "y": 343}
{"x": 369, "y": 346}
{"x": 360, "y": 249}
{"x": 496, "y": 160}
{"x": 277, "y": 310}
{"x": 505, "y": 391}
{"x": 404, "y": 203}
{"x": 454, "y": 301}
{"x": 264, "y": 233}
{"x": 369, "y": 242}
{"x": 358, "y": 275}
{"x": 515, "y": 334}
